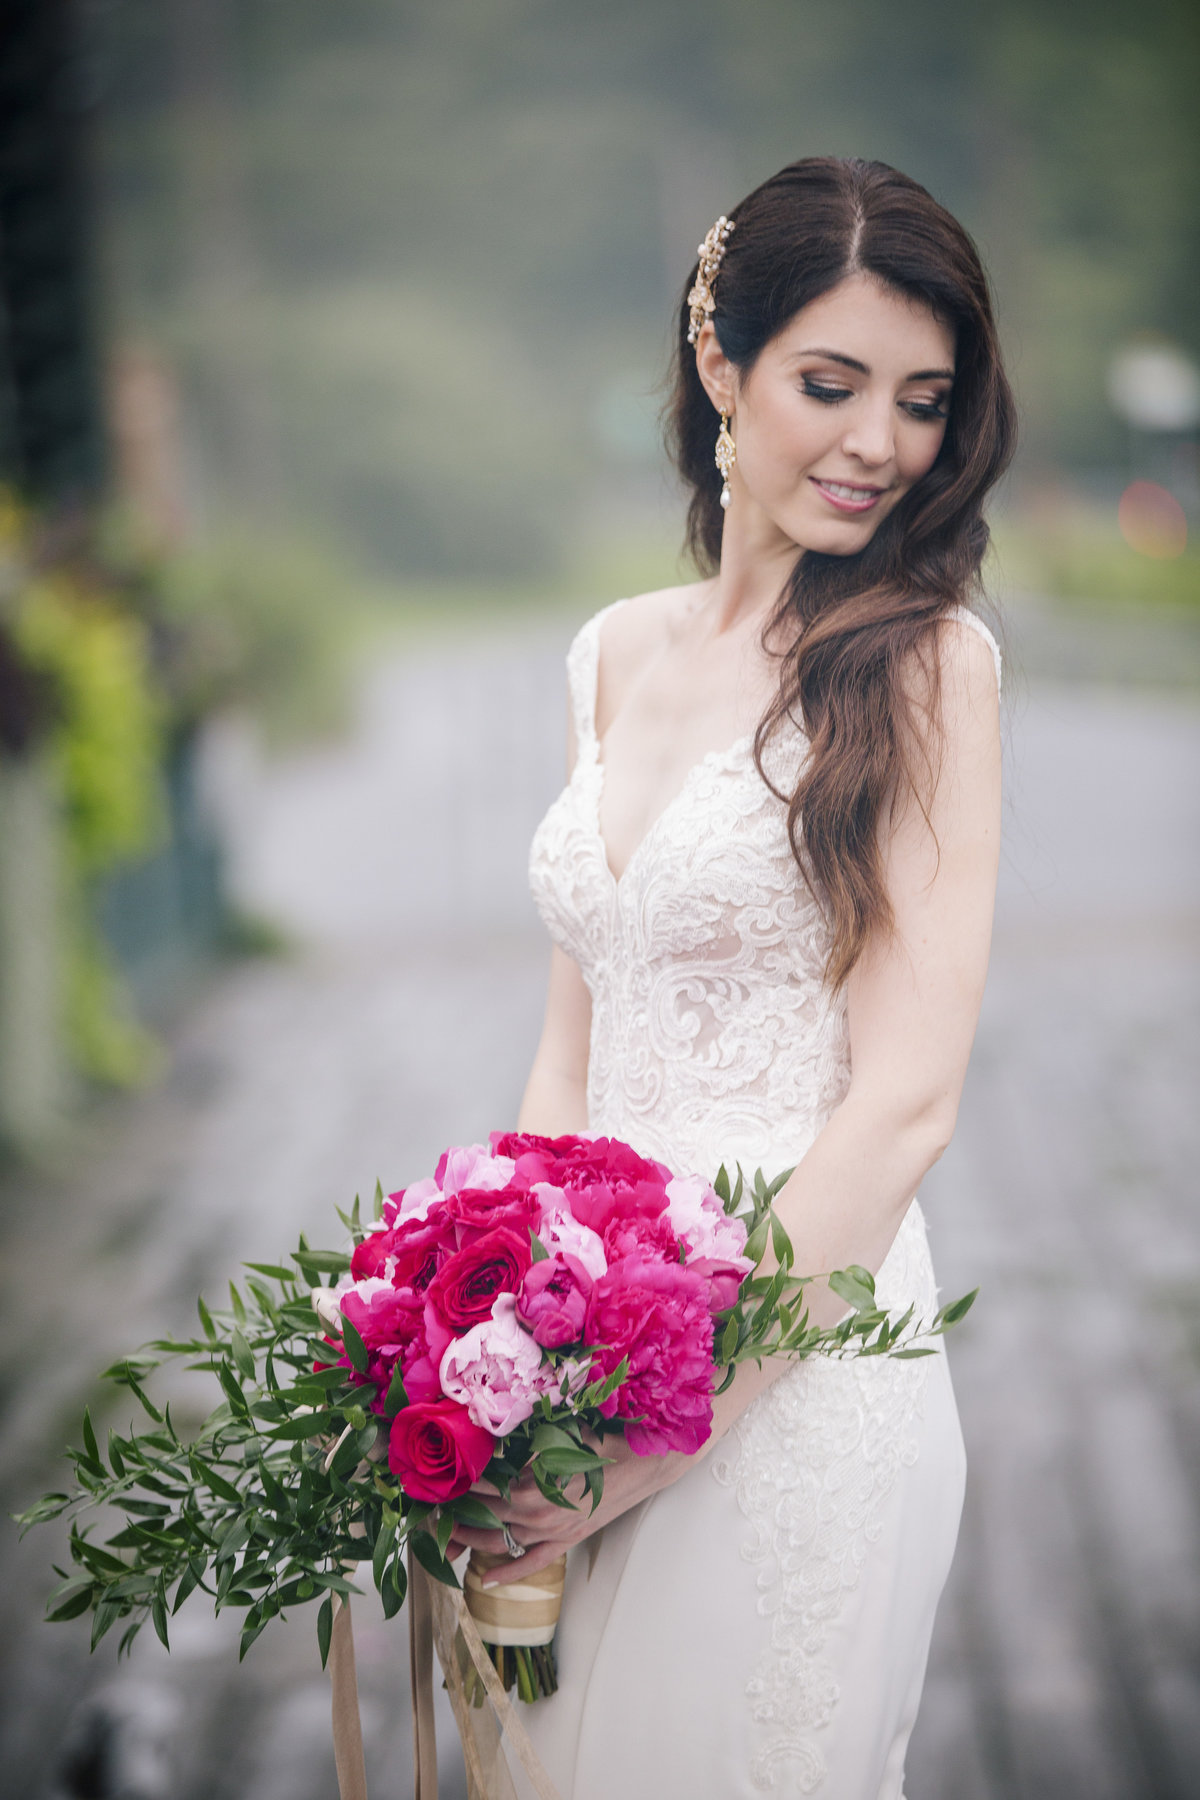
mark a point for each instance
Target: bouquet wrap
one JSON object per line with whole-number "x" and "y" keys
{"x": 520, "y": 1612}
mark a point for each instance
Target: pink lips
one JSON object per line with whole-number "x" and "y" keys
{"x": 842, "y": 502}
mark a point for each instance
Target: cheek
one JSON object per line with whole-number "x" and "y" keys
{"x": 919, "y": 451}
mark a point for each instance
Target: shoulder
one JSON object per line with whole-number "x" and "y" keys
{"x": 963, "y": 676}
{"x": 629, "y": 634}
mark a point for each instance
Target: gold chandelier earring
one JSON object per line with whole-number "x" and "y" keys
{"x": 726, "y": 457}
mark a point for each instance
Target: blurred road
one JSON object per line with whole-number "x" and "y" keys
{"x": 1067, "y": 1660}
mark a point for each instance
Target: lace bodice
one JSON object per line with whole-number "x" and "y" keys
{"x": 714, "y": 1040}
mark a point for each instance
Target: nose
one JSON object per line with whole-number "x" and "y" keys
{"x": 869, "y": 435}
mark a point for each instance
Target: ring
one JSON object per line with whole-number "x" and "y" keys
{"x": 510, "y": 1542}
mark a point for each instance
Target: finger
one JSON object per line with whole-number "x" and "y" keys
{"x": 471, "y": 1537}
{"x": 538, "y": 1556}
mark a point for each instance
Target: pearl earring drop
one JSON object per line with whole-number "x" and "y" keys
{"x": 726, "y": 456}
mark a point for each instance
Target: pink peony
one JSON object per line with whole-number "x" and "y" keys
{"x": 714, "y": 1242}
{"x": 553, "y": 1300}
{"x": 563, "y": 1235}
{"x": 658, "y": 1315}
{"x": 640, "y": 1236}
{"x": 494, "y": 1370}
{"x": 473, "y": 1166}
{"x": 437, "y": 1450}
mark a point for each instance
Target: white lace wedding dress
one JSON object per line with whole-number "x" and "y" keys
{"x": 761, "y": 1626}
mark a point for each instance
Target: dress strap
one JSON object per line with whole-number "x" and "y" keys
{"x": 959, "y": 611}
{"x": 583, "y": 667}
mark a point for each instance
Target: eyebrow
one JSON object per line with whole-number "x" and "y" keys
{"x": 851, "y": 362}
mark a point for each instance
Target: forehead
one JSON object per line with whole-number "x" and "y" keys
{"x": 890, "y": 332}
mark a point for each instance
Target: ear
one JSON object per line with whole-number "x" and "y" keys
{"x": 718, "y": 376}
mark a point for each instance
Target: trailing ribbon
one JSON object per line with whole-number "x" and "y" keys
{"x": 438, "y": 1616}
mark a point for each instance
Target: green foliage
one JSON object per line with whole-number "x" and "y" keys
{"x": 283, "y": 1490}
{"x": 1081, "y": 556}
{"x": 263, "y": 621}
{"x": 106, "y": 742}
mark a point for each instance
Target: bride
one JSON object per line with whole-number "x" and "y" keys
{"x": 770, "y": 883}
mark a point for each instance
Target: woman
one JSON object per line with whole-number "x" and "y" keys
{"x": 770, "y": 883}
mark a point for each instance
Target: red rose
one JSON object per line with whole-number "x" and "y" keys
{"x": 462, "y": 1291}
{"x": 416, "y": 1247}
{"x": 437, "y": 1450}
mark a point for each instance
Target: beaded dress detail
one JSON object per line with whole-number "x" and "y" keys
{"x": 714, "y": 1040}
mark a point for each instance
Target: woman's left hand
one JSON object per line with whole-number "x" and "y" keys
{"x": 547, "y": 1530}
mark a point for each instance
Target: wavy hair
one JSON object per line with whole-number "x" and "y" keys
{"x": 854, "y": 623}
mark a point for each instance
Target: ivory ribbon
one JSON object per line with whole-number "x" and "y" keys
{"x": 520, "y": 1612}
{"x": 347, "y": 1724}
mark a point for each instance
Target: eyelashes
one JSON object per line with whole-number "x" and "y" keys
{"x": 831, "y": 396}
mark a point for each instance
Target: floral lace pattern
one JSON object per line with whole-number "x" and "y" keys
{"x": 713, "y": 1039}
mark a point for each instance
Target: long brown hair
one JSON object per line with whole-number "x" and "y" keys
{"x": 854, "y": 623}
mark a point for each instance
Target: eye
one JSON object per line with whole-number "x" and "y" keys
{"x": 829, "y": 396}
{"x": 927, "y": 409}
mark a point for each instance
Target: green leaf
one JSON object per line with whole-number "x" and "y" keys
{"x": 849, "y": 1285}
{"x": 721, "y": 1186}
{"x": 243, "y": 1356}
{"x": 91, "y": 1447}
{"x": 473, "y": 1511}
{"x": 325, "y": 1628}
{"x": 958, "y": 1309}
{"x": 217, "y": 1484}
{"x": 70, "y": 1602}
{"x": 430, "y": 1558}
{"x": 781, "y": 1242}
{"x": 756, "y": 1243}
{"x": 356, "y": 1350}
{"x": 209, "y": 1329}
{"x": 188, "y": 1582}
{"x": 378, "y": 1199}
{"x": 325, "y": 1262}
{"x": 540, "y": 1252}
{"x": 396, "y": 1397}
{"x": 158, "y": 1612}
{"x": 274, "y": 1270}
{"x": 445, "y": 1530}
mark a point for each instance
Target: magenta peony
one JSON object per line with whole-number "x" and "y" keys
{"x": 657, "y": 1314}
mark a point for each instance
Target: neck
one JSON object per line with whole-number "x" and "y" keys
{"x": 756, "y": 561}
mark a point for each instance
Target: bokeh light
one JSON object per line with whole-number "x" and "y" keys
{"x": 1152, "y": 520}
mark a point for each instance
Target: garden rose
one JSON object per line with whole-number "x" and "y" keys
{"x": 437, "y": 1450}
{"x": 462, "y": 1291}
{"x": 494, "y": 1370}
{"x": 656, "y": 1314}
{"x": 477, "y": 1210}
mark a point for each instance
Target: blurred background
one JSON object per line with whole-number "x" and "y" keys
{"x": 332, "y": 343}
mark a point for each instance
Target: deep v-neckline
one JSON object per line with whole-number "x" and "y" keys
{"x": 711, "y": 758}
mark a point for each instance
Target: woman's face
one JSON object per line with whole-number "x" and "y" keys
{"x": 844, "y": 411}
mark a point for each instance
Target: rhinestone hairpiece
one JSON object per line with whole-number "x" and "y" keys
{"x": 710, "y": 253}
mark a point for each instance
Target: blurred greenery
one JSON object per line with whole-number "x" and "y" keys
{"x": 415, "y": 261}
{"x": 1077, "y": 554}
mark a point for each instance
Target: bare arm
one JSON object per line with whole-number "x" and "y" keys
{"x": 555, "y": 1099}
{"x": 913, "y": 1005}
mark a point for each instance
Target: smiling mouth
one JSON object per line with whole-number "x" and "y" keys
{"x": 847, "y": 497}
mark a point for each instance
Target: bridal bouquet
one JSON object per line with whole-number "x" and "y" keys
{"x": 499, "y": 1319}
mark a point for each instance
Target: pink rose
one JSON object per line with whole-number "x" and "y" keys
{"x": 657, "y": 1314}
{"x": 494, "y": 1370}
{"x": 553, "y": 1300}
{"x": 437, "y": 1450}
{"x": 408, "y": 1254}
{"x": 462, "y": 1291}
{"x": 577, "y": 1161}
